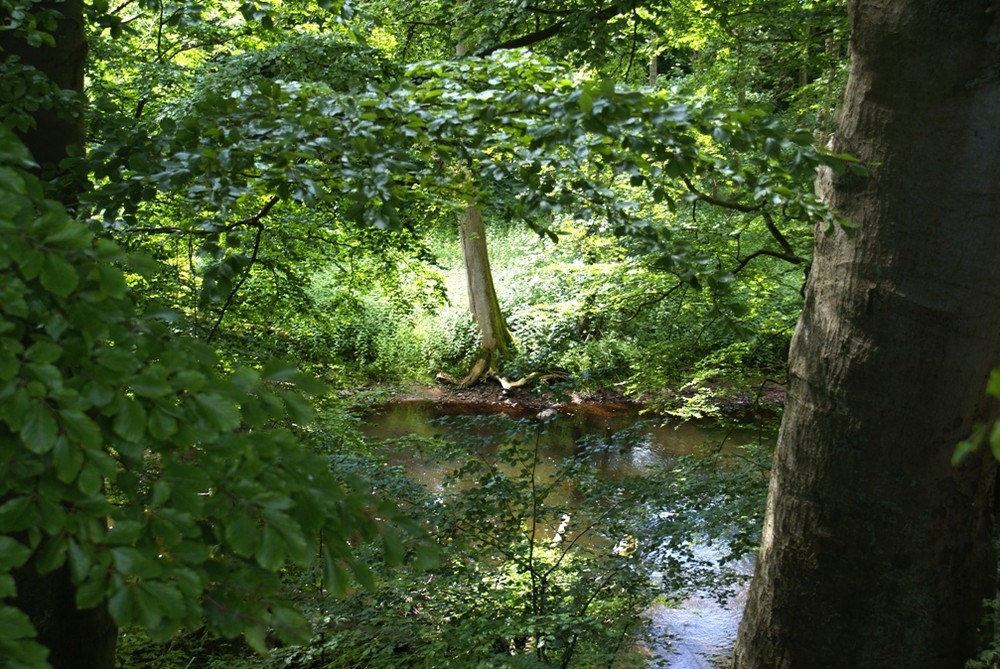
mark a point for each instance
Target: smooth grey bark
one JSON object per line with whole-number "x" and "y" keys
{"x": 76, "y": 639}
{"x": 876, "y": 550}
{"x": 495, "y": 340}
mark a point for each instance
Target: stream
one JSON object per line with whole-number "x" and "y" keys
{"x": 692, "y": 634}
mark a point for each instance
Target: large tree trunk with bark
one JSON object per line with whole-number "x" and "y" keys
{"x": 495, "y": 341}
{"x": 876, "y": 550}
{"x": 76, "y": 639}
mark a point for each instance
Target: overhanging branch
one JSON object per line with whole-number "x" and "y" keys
{"x": 543, "y": 34}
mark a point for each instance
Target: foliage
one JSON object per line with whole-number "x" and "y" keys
{"x": 543, "y": 560}
{"x": 175, "y": 492}
{"x": 269, "y": 175}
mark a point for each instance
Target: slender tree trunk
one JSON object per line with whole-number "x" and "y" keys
{"x": 75, "y": 639}
{"x": 495, "y": 340}
{"x": 876, "y": 550}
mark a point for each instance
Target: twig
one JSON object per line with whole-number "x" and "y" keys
{"x": 254, "y": 221}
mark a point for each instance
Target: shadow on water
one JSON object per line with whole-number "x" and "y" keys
{"x": 692, "y": 634}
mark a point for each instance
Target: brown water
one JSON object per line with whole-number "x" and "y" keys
{"x": 655, "y": 443}
{"x": 691, "y": 635}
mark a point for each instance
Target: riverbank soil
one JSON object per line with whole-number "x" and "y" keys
{"x": 741, "y": 405}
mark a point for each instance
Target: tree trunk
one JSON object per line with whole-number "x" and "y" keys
{"x": 75, "y": 639}
{"x": 495, "y": 340}
{"x": 56, "y": 129}
{"x": 876, "y": 551}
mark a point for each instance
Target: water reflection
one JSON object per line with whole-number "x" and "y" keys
{"x": 633, "y": 444}
{"x": 619, "y": 444}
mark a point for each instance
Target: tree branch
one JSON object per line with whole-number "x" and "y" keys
{"x": 602, "y": 16}
{"x": 719, "y": 202}
{"x": 253, "y": 221}
{"x": 655, "y": 300}
{"x": 239, "y": 284}
{"x": 792, "y": 258}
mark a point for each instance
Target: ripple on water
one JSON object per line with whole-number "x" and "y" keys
{"x": 696, "y": 633}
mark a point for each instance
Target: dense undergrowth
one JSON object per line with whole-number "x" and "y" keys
{"x": 493, "y": 586}
{"x": 594, "y": 307}
{"x": 531, "y": 560}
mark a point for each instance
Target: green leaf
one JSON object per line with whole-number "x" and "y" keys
{"x": 130, "y": 421}
{"x": 335, "y": 575}
{"x": 993, "y": 385}
{"x": 91, "y": 591}
{"x": 43, "y": 351}
{"x": 290, "y": 625}
{"x": 7, "y": 587}
{"x": 427, "y": 555}
{"x": 216, "y": 410}
{"x": 15, "y": 624}
{"x": 16, "y": 514}
{"x": 161, "y": 424}
{"x": 12, "y": 553}
{"x": 121, "y": 605}
{"x": 363, "y": 574}
{"x": 40, "y": 429}
{"x": 90, "y": 482}
{"x": 270, "y": 554}
{"x": 392, "y": 547}
{"x": 170, "y": 598}
{"x": 81, "y": 429}
{"x": 124, "y": 532}
{"x": 130, "y": 561}
{"x": 962, "y": 450}
{"x": 80, "y": 561}
{"x": 58, "y": 275}
{"x": 255, "y": 636}
{"x": 243, "y": 535}
{"x": 67, "y": 458}
{"x": 70, "y": 234}
{"x": 152, "y": 382}
{"x": 111, "y": 281}
{"x": 9, "y": 364}
{"x": 995, "y": 440}
{"x": 51, "y": 555}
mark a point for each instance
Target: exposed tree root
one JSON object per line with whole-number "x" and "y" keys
{"x": 533, "y": 377}
{"x": 481, "y": 370}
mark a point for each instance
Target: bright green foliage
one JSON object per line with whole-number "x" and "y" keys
{"x": 271, "y": 177}
{"x": 174, "y": 492}
{"x": 251, "y": 178}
